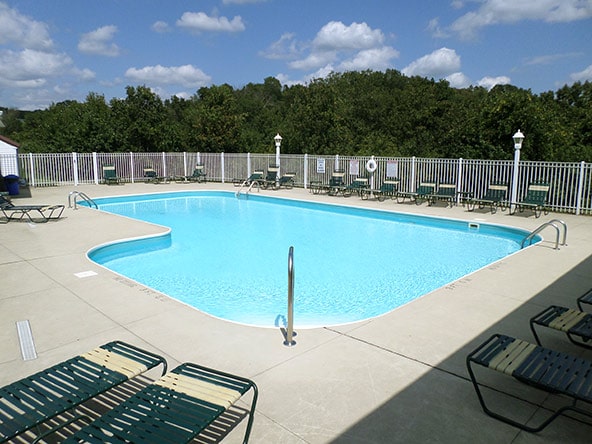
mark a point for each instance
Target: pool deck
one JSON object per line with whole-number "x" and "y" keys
{"x": 398, "y": 378}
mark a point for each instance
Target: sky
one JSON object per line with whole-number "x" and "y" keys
{"x": 56, "y": 50}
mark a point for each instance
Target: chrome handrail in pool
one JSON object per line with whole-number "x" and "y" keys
{"x": 290, "y": 332}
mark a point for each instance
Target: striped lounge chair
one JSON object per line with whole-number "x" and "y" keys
{"x": 577, "y": 325}
{"x": 174, "y": 409}
{"x": 535, "y": 199}
{"x": 551, "y": 371}
{"x": 31, "y": 401}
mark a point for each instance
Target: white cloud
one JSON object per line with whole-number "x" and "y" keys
{"x": 22, "y": 31}
{"x": 336, "y": 36}
{"x": 435, "y": 29}
{"x": 31, "y": 68}
{"x": 314, "y": 60}
{"x": 285, "y": 48}
{"x": 377, "y": 59}
{"x": 490, "y": 82}
{"x": 342, "y": 48}
{"x": 201, "y": 22}
{"x": 186, "y": 75}
{"x": 99, "y": 42}
{"x": 458, "y": 80}
{"x": 582, "y": 76}
{"x": 492, "y": 12}
{"x": 550, "y": 58}
{"x": 160, "y": 27}
{"x": 438, "y": 64}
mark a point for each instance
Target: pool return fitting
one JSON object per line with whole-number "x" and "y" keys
{"x": 290, "y": 333}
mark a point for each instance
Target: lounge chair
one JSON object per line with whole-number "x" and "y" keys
{"x": 585, "y": 299}
{"x": 198, "y": 175}
{"x": 18, "y": 212}
{"x": 577, "y": 325}
{"x": 151, "y": 176}
{"x": 256, "y": 176}
{"x": 535, "y": 199}
{"x": 336, "y": 183}
{"x": 358, "y": 186}
{"x": 31, "y": 401}
{"x": 287, "y": 181}
{"x": 271, "y": 178}
{"x": 551, "y": 371}
{"x": 495, "y": 197}
{"x": 175, "y": 408}
{"x": 110, "y": 175}
{"x": 423, "y": 193}
{"x": 389, "y": 188}
{"x": 446, "y": 192}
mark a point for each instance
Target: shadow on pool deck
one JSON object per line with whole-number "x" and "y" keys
{"x": 397, "y": 378}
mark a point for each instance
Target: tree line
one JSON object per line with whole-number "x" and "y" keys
{"x": 352, "y": 113}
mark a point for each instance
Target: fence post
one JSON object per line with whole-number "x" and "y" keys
{"x": 413, "y": 183}
{"x": 580, "y": 188}
{"x": 31, "y": 165}
{"x": 132, "y": 166}
{"x": 185, "y": 163}
{"x": 75, "y": 168}
{"x": 95, "y": 168}
{"x": 248, "y": 164}
{"x": 222, "y": 165}
{"x": 459, "y": 182}
{"x": 305, "y": 174}
{"x": 164, "y": 166}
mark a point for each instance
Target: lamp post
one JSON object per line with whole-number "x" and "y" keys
{"x": 278, "y": 142}
{"x": 518, "y": 137}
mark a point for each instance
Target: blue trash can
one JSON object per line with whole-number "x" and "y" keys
{"x": 12, "y": 184}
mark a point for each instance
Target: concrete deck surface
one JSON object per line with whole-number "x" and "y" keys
{"x": 398, "y": 378}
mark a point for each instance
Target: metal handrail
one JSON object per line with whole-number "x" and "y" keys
{"x": 83, "y": 196}
{"x": 550, "y": 223}
{"x": 251, "y": 185}
{"x": 290, "y": 331}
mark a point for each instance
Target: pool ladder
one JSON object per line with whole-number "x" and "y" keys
{"x": 552, "y": 223}
{"x": 290, "y": 333}
{"x": 251, "y": 185}
{"x": 83, "y": 196}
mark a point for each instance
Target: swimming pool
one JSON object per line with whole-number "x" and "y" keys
{"x": 228, "y": 256}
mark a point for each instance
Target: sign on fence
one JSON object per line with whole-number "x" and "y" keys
{"x": 321, "y": 165}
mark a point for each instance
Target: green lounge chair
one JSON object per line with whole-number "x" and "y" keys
{"x": 256, "y": 176}
{"x": 550, "y": 371}
{"x": 18, "y": 212}
{"x": 577, "y": 325}
{"x": 198, "y": 175}
{"x": 287, "y": 181}
{"x": 446, "y": 192}
{"x": 29, "y": 402}
{"x": 495, "y": 197}
{"x": 176, "y": 408}
{"x": 358, "y": 186}
{"x": 535, "y": 199}
{"x": 151, "y": 176}
{"x": 423, "y": 193}
{"x": 585, "y": 299}
{"x": 389, "y": 188}
{"x": 336, "y": 183}
{"x": 271, "y": 178}
{"x": 110, "y": 175}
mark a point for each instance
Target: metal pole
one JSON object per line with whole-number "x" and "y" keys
{"x": 290, "y": 332}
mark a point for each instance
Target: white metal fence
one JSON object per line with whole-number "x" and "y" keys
{"x": 571, "y": 183}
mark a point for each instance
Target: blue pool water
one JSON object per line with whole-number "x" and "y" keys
{"x": 228, "y": 257}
